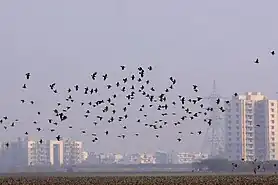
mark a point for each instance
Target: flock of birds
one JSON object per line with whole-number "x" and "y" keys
{"x": 257, "y": 61}
{"x": 130, "y": 87}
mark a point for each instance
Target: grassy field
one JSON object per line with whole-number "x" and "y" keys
{"x": 73, "y": 179}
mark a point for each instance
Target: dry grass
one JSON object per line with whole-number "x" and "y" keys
{"x": 144, "y": 180}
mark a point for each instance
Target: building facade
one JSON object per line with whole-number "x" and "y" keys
{"x": 26, "y": 152}
{"x": 147, "y": 158}
{"x": 73, "y": 152}
{"x": 186, "y": 158}
{"x": 251, "y": 128}
{"x": 161, "y": 158}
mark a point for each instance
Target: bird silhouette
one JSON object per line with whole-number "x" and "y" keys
{"x": 28, "y": 76}
{"x": 94, "y": 75}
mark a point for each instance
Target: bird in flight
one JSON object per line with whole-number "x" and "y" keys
{"x": 28, "y": 76}
{"x": 123, "y": 67}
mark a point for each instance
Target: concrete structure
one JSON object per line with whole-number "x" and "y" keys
{"x": 50, "y": 152}
{"x": 134, "y": 158}
{"x": 92, "y": 158}
{"x": 55, "y": 151}
{"x": 73, "y": 152}
{"x": 185, "y": 158}
{"x": 85, "y": 155}
{"x": 108, "y": 158}
{"x": 118, "y": 158}
{"x": 161, "y": 158}
{"x": 14, "y": 155}
{"x": 251, "y": 128}
{"x": 147, "y": 158}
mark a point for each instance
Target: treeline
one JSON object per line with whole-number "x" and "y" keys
{"x": 223, "y": 165}
{"x": 134, "y": 166}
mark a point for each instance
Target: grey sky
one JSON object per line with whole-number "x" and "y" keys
{"x": 195, "y": 41}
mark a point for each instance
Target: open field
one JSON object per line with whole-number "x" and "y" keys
{"x": 120, "y": 174}
{"x": 123, "y": 174}
{"x": 137, "y": 179}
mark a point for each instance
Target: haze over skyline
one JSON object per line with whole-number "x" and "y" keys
{"x": 195, "y": 42}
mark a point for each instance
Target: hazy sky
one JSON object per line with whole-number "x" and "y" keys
{"x": 195, "y": 41}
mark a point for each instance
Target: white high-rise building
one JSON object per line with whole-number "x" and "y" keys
{"x": 251, "y": 129}
{"x": 73, "y": 152}
{"x": 50, "y": 152}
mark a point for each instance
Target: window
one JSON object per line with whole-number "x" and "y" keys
{"x": 273, "y": 150}
{"x": 272, "y": 139}
{"x": 272, "y": 144}
{"x": 249, "y": 122}
{"x": 272, "y": 121}
{"x": 272, "y": 110}
{"x": 272, "y": 104}
{"x": 273, "y": 133}
{"x": 272, "y": 115}
{"x": 272, "y": 127}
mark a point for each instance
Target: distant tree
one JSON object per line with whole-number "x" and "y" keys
{"x": 223, "y": 165}
{"x": 215, "y": 165}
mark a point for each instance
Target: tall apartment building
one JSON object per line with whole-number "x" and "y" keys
{"x": 73, "y": 152}
{"x": 50, "y": 152}
{"x": 251, "y": 129}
